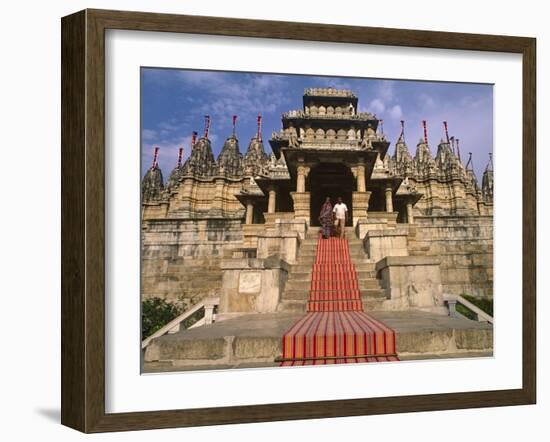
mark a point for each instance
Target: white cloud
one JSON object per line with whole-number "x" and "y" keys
{"x": 377, "y": 106}
{"x": 149, "y": 134}
{"x": 246, "y": 98}
{"x": 426, "y": 102}
{"x": 386, "y": 90}
{"x": 474, "y": 102}
{"x": 338, "y": 83}
{"x": 396, "y": 112}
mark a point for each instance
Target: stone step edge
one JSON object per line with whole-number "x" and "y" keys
{"x": 234, "y": 350}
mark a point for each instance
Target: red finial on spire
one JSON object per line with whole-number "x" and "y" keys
{"x": 180, "y": 156}
{"x": 155, "y": 158}
{"x": 425, "y": 131}
{"x": 446, "y": 131}
{"x": 458, "y": 150}
{"x": 206, "y": 125}
{"x": 259, "y": 134}
{"x": 234, "y": 123}
{"x": 193, "y": 140}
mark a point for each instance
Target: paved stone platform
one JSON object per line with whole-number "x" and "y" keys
{"x": 254, "y": 340}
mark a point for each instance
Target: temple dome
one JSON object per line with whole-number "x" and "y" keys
{"x": 230, "y": 158}
{"x": 201, "y": 161}
{"x": 255, "y": 156}
{"x": 152, "y": 185}
{"x": 174, "y": 178}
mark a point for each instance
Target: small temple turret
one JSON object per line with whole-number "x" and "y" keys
{"x": 201, "y": 161}
{"x": 445, "y": 158}
{"x": 424, "y": 163}
{"x": 255, "y": 158}
{"x": 230, "y": 159}
{"x": 487, "y": 181}
{"x": 152, "y": 185}
{"x": 471, "y": 174}
{"x": 177, "y": 172}
{"x": 402, "y": 157}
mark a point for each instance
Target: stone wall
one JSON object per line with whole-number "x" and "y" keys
{"x": 440, "y": 198}
{"x": 464, "y": 245}
{"x": 197, "y": 198}
{"x": 251, "y": 286}
{"x": 412, "y": 282}
{"x": 181, "y": 258}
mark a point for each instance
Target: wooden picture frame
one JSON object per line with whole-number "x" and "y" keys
{"x": 83, "y": 220}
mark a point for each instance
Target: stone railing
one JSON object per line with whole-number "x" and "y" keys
{"x": 452, "y": 300}
{"x": 209, "y": 304}
{"x": 361, "y": 116}
{"x": 329, "y": 92}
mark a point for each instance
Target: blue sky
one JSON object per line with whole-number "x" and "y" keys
{"x": 174, "y": 102}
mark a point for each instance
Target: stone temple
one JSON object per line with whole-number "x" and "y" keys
{"x": 237, "y": 236}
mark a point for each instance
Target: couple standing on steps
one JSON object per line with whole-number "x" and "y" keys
{"x": 333, "y": 217}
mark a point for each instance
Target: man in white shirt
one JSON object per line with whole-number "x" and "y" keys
{"x": 341, "y": 214}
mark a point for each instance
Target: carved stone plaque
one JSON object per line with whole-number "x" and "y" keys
{"x": 250, "y": 282}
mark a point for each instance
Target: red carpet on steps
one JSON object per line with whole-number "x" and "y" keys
{"x": 335, "y": 329}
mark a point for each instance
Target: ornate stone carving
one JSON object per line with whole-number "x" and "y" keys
{"x": 152, "y": 185}
{"x": 201, "y": 162}
{"x": 255, "y": 159}
{"x": 230, "y": 159}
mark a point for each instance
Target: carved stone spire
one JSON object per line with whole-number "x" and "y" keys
{"x": 423, "y": 153}
{"x": 255, "y": 157}
{"x": 470, "y": 173}
{"x": 402, "y": 159}
{"x": 177, "y": 172}
{"x": 445, "y": 157}
{"x": 402, "y": 154}
{"x": 201, "y": 162}
{"x": 230, "y": 159}
{"x": 152, "y": 184}
{"x": 423, "y": 163}
{"x": 487, "y": 181}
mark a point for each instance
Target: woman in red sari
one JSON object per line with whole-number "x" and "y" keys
{"x": 326, "y": 218}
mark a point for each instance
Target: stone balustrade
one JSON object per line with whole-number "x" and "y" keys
{"x": 343, "y": 114}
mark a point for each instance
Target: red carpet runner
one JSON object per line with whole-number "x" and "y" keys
{"x": 336, "y": 330}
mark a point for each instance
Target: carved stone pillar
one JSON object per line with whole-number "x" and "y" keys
{"x": 360, "y": 204}
{"x": 272, "y": 202}
{"x": 249, "y": 212}
{"x": 389, "y": 200}
{"x": 301, "y": 206}
{"x": 361, "y": 182}
{"x": 303, "y": 172}
{"x": 410, "y": 216}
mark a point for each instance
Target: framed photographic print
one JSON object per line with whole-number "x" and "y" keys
{"x": 268, "y": 220}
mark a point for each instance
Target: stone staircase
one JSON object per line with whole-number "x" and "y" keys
{"x": 296, "y": 292}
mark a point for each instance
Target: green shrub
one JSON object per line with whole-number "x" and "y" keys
{"x": 485, "y": 304}
{"x": 155, "y": 314}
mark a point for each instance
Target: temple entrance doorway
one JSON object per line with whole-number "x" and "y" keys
{"x": 332, "y": 180}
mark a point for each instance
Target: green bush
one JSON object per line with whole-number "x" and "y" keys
{"x": 485, "y": 304}
{"x": 155, "y": 314}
